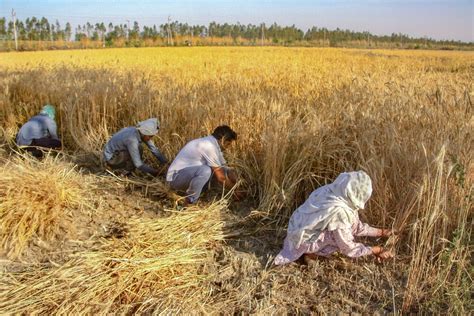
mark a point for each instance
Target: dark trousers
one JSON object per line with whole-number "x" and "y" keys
{"x": 46, "y": 143}
{"x": 121, "y": 160}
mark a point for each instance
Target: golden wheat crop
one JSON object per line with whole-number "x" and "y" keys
{"x": 303, "y": 115}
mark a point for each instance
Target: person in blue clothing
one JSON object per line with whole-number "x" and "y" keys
{"x": 124, "y": 150}
{"x": 40, "y": 132}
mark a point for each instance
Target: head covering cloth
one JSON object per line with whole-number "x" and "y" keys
{"x": 149, "y": 127}
{"x": 48, "y": 110}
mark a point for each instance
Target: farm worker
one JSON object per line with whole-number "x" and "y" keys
{"x": 124, "y": 150}
{"x": 328, "y": 221}
{"x": 198, "y": 160}
{"x": 39, "y": 132}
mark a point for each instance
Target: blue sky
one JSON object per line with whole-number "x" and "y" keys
{"x": 437, "y": 19}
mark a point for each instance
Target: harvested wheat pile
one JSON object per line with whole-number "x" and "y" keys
{"x": 155, "y": 265}
{"x": 39, "y": 200}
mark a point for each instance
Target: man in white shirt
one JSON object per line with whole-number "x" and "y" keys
{"x": 199, "y": 159}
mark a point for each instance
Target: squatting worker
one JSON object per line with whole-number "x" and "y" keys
{"x": 198, "y": 160}
{"x": 328, "y": 222}
{"x": 39, "y": 132}
{"x": 124, "y": 150}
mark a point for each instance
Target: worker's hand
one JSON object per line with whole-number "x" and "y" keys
{"x": 381, "y": 254}
{"x": 386, "y": 232}
{"x": 387, "y": 254}
{"x": 377, "y": 250}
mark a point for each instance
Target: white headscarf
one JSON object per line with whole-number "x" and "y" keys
{"x": 330, "y": 207}
{"x": 149, "y": 127}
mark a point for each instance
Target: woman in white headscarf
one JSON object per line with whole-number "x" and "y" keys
{"x": 328, "y": 221}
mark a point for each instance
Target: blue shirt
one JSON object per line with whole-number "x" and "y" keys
{"x": 129, "y": 139}
{"x": 39, "y": 126}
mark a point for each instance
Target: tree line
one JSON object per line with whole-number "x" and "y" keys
{"x": 177, "y": 33}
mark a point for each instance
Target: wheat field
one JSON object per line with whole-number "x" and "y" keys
{"x": 303, "y": 115}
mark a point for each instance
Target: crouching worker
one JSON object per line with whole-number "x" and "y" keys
{"x": 328, "y": 222}
{"x": 199, "y": 159}
{"x": 124, "y": 150}
{"x": 39, "y": 132}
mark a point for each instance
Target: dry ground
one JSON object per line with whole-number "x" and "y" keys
{"x": 242, "y": 278}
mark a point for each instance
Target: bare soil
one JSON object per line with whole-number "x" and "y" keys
{"x": 243, "y": 279}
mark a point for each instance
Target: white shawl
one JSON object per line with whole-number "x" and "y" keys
{"x": 149, "y": 127}
{"x": 330, "y": 207}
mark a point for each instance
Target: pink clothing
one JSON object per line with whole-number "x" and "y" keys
{"x": 341, "y": 240}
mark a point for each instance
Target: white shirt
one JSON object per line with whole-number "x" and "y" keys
{"x": 203, "y": 151}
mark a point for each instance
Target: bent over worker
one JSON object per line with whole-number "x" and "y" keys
{"x": 198, "y": 160}
{"x": 39, "y": 132}
{"x": 124, "y": 150}
{"x": 328, "y": 221}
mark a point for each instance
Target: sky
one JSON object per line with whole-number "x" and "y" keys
{"x": 443, "y": 19}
